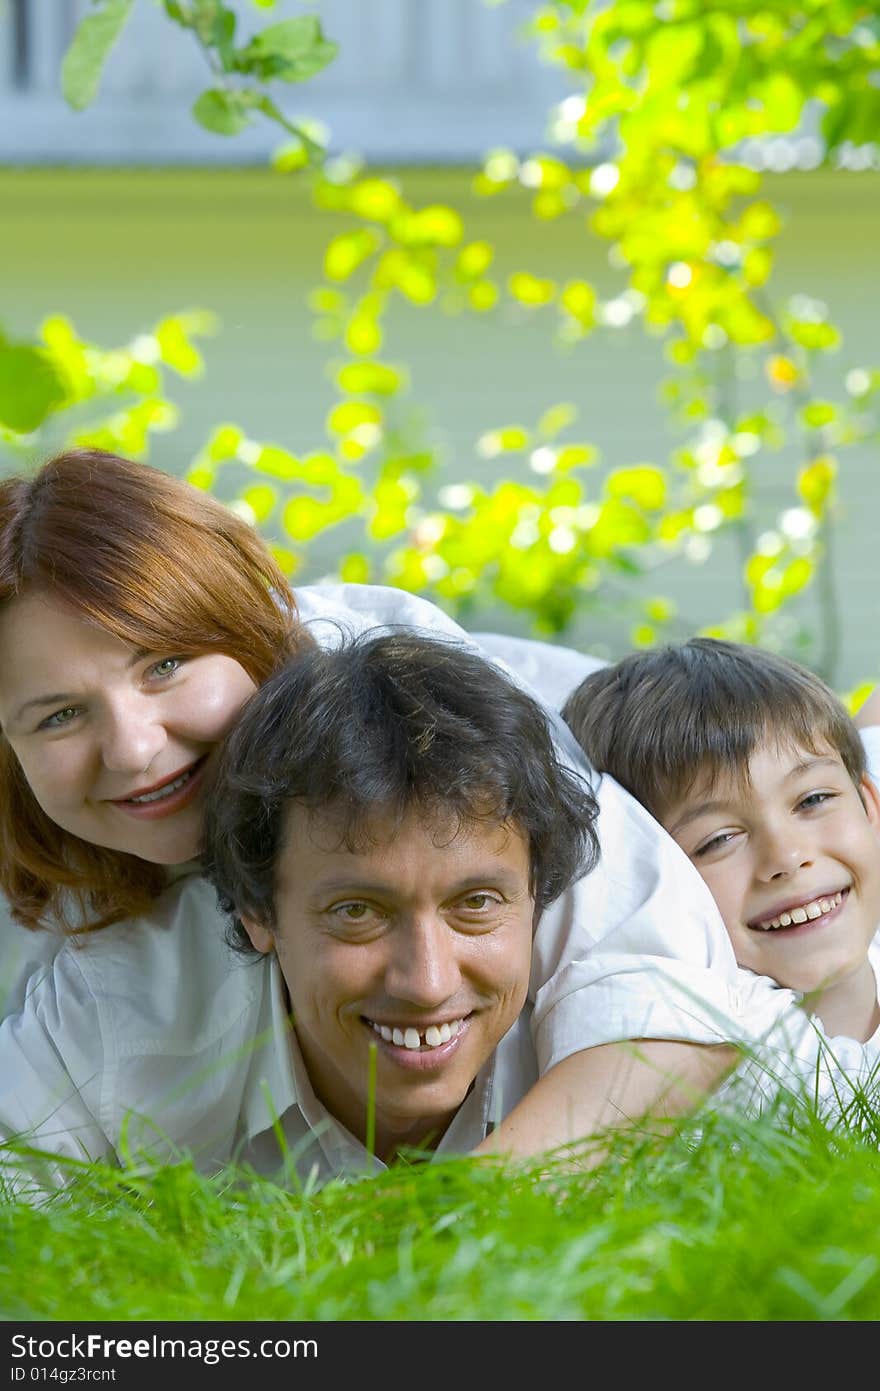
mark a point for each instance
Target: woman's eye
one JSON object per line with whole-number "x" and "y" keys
{"x": 167, "y": 667}
{"x": 60, "y": 718}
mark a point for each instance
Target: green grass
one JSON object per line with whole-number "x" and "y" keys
{"x": 742, "y": 1220}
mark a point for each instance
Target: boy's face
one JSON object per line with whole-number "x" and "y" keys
{"x": 419, "y": 943}
{"x": 792, "y": 860}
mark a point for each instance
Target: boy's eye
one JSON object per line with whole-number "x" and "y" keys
{"x": 815, "y": 799}
{"x": 717, "y": 842}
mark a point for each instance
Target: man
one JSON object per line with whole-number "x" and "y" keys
{"x": 388, "y": 821}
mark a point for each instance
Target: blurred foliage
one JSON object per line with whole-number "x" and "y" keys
{"x": 649, "y": 152}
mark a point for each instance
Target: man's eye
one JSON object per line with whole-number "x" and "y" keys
{"x": 352, "y": 912}
{"x": 60, "y": 718}
{"x": 477, "y": 902}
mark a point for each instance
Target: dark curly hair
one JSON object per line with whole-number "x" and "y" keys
{"x": 384, "y": 723}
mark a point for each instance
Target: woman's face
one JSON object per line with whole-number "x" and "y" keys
{"x": 115, "y": 742}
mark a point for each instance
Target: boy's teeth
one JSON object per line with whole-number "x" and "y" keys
{"x": 411, "y": 1038}
{"x": 805, "y": 913}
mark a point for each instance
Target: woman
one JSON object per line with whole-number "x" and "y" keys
{"x": 136, "y": 617}
{"x": 167, "y": 610}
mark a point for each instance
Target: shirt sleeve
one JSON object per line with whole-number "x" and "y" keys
{"x": 553, "y": 671}
{"x": 797, "y": 1065}
{"x": 52, "y": 1055}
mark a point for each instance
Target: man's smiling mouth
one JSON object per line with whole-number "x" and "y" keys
{"x": 409, "y": 1037}
{"x": 808, "y": 911}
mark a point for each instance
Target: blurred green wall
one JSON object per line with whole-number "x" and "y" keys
{"x": 115, "y": 250}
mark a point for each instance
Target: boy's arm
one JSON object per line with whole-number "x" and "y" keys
{"x": 612, "y": 1086}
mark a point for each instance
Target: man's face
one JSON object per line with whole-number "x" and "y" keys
{"x": 419, "y": 943}
{"x": 792, "y": 859}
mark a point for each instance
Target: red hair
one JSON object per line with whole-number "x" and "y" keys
{"x": 158, "y": 564}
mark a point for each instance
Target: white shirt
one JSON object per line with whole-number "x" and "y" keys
{"x": 635, "y": 950}
{"x": 155, "y": 1035}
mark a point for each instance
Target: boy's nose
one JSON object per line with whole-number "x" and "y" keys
{"x": 782, "y": 855}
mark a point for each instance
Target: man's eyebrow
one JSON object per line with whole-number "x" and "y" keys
{"x": 351, "y": 887}
{"x": 65, "y": 697}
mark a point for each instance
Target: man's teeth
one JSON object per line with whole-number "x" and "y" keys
{"x": 805, "y": 913}
{"x": 163, "y": 791}
{"x": 432, "y": 1037}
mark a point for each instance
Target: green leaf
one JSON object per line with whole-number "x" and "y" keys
{"x": 290, "y": 39}
{"x": 224, "y": 113}
{"x": 348, "y": 251}
{"x": 291, "y": 51}
{"x": 363, "y": 378}
{"x": 89, "y": 50}
{"x": 29, "y": 387}
{"x": 644, "y": 484}
{"x": 224, "y": 38}
{"x": 531, "y": 289}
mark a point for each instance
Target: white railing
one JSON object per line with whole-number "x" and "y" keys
{"x": 415, "y": 80}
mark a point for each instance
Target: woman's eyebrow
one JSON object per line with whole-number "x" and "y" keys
{"x": 59, "y": 699}
{"x": 62, "y": 697}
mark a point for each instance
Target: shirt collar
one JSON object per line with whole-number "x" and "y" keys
{"x": 271, "y": 1086}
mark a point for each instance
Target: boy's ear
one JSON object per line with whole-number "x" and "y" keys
{"x": 262, "y": 939}
{"x": 871, "y": 800}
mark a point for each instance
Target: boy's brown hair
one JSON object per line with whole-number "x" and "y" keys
{"x": 661, "y": 720}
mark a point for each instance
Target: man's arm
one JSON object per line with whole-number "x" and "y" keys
{"x": 608, "y": 1087}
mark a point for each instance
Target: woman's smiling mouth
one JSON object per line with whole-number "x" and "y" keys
{"x": 167, "y": 797}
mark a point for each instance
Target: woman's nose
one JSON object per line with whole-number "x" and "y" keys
{"x": 131, "y": 739}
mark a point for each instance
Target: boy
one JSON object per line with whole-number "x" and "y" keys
{"x": 755, "y": 769}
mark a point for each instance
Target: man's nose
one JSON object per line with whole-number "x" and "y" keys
{"x": 132, "y": 736}
{"x": 423, "y": 968}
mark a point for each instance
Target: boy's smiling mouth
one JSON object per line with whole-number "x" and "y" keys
{"x": 796, "y": 914}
